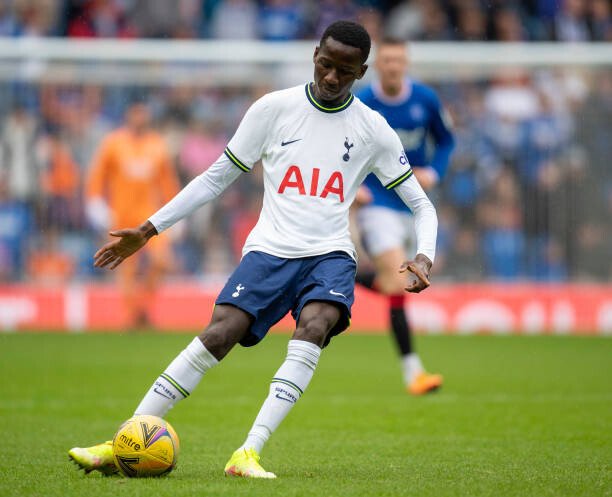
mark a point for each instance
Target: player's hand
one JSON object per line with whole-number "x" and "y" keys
{"x": 129, "y": 241}
{"x": 419, "y": 273}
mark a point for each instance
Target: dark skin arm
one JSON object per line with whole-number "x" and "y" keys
{"x": 130, "y": 240}
{"x": 419, "y": 267}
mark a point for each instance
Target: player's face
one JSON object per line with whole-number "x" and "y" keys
{"x": 337, "y": 66}
{"x": 391, "y": 64}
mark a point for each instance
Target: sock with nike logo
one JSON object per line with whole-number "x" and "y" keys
{"x": 286, "y": 388}
{"x": 178, "y": 380}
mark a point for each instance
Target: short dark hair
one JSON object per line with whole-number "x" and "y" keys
{"x": 351, "y": 34}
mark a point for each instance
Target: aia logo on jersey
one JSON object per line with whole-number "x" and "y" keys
{"x": 334, "y": 185}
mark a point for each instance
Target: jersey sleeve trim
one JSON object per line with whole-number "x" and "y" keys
{"x": 235, "y": 160}
{"x": 400, "y": 180}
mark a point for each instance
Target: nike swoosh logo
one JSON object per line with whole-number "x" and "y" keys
{"x": 337, "y": 293}
{"x": 161, "y": 393}
{"x": 289, "y": 142}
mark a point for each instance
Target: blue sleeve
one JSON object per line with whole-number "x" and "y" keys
{"x": 365, "y": 95}
{"x": 443, "y": 137}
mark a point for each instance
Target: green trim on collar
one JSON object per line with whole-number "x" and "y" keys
{"x": 322, "y": 108}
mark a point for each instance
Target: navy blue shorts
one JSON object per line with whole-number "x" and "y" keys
{"x": 267, "y": 287}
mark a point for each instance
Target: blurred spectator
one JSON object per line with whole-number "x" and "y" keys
{"x": 405, "y": 20}
{"x": 471, "y": 24}
{"x": 372, "y": 19}
{"x": 467, "y": 20}
{"x": 87, "y": 124}
{"x": 570, "y": 22}
{"x": 18, "y": 161}
{"x": 503, "y": 242}
{"x": 164, "y": 19}
{"x": 16, "y": 229}
{"x": 281, "y": 20}
{"x": 47, "y": 263}
{"x": 132, "y": 177}
{"x": 551, "y": 263}
{"x": 37, "y": 17}
{"x": 60, "y": 185}
{"x": 98, "y": 18}
{"x": 435, "y": 24}
{"x": 8, "y": 20}
{"x": 235, "y": 20}
{"x": 512, "y": 96}
{"x": 594, "y": 130}
{"x": 601, "y": 20}
{"x": 544, "y": 138}
{"x": 202, "y": 145}
{"x": 594, "y": 249}
{"x": 329, "y": 11}
{"x": 508, "y": 26}
{"x": 467, "y": 264}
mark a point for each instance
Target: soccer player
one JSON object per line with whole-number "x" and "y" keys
{"x": 317, "y": 143}
{"x": 131, "y": 176}
{"x": 386, "y": 224}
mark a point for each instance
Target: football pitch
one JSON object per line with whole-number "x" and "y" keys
{"x": 517, "y": 416}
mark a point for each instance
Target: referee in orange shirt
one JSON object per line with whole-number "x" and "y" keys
{"x": 132, "y": 176}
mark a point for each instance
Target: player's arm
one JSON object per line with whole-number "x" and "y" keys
{"x": 243, "y": 150}
{"x": 394, "y": 171}
{"x": 200, "y": 190}
{"x": 444, "y": 142}
{"x": 426, "y": 227}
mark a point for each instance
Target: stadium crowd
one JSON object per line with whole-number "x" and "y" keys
{"x": 456, "y": 20}
{"x": 528, "y": 194}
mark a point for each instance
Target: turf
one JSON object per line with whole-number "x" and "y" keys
{"x": 518, "y": 416}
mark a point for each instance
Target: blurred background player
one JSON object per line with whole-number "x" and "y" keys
{"x": 386, "y": 225}
{"x": 131, "y": 176}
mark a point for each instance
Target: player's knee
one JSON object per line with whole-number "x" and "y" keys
{"x": 225, "y": 330}
{"x": 314, "y": 326}
{"x": 313, "y": 330}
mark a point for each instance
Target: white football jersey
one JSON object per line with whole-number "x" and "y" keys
{"x": 314, "y": 160}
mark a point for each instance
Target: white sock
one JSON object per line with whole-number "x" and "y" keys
{"x": 178, "y": 380}
{"x": 286, "y": 388}
{"x": 411, "y": 367}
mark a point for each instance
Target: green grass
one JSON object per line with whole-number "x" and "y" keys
{"x": 518, "y": 416}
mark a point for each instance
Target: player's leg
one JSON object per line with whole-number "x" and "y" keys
{"x": 129, "y": 289}
{"x": 316, "y": 320}
{"x": 385, "y": 232}
{"x": 158, "y": 254}
{"x": 324, "y": 290}
{"x": 391, "y": 282}
{"x": 228, "y": 326}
